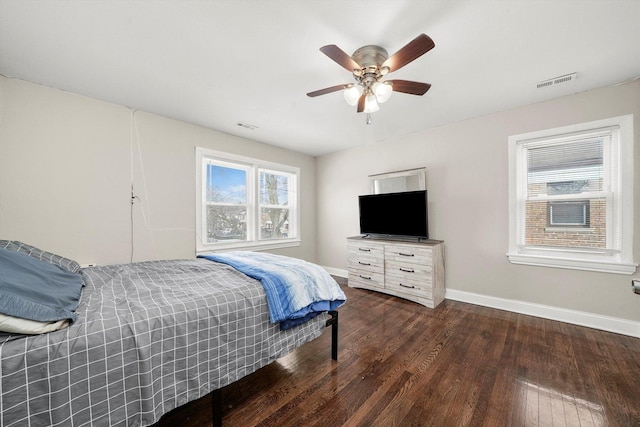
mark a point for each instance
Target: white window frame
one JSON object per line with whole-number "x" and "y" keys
{"x": 252, "y": 166}
{"x": 618, "y": 257}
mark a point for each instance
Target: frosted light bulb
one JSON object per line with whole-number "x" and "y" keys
{"x": 352, "y": 94}
{"x": 370, "y": 104}
{"x": 383, "y": 91}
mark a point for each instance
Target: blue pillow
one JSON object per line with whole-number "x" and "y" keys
{"x": 32, "y": 251}
{"x": 37, "y": 290}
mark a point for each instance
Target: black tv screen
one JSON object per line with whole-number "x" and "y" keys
{"x": 395, "y": 214}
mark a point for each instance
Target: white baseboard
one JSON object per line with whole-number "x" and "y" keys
{"x": 337, "y": 272}
{"x": 581, "y": 318}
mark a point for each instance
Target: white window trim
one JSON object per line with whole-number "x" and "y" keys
{"x": 620, "y": 262}
{"x": 255, "y": 244}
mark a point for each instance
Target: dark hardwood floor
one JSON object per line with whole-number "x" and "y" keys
{"x": 402, "y": 364}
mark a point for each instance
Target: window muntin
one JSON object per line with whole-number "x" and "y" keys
{"x": 569, "y": 203}
{"x": 245, "y": 203}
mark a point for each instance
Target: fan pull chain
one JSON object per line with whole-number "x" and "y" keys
{"x": 369, "y": 121}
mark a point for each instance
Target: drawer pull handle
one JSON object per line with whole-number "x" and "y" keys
{"x": 364, "y": 249}
{"x": 363, "y": 263}
{"x": 407, "y": 286}
{"x": 407, "y": 270}
{"x": 402, "y": 254}
{"x": 364, "y": 277}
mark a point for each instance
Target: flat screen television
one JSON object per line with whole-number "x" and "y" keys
{"x": 395, "y": 214}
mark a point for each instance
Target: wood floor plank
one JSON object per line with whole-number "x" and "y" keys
{"x": 402, "y": 364}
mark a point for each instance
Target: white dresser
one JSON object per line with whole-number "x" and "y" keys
{"x": 410, "y": 270}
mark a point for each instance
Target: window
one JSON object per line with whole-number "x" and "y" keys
{"x": 570, "y": 197}
{"x": 245, "y": 203}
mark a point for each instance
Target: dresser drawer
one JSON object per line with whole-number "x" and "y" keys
{"x": 412, "y": 286}
{"x": 367, "y": 264}
{"x": 408, "y": 253}
{"x": 407, "y": 269}
{"x": 367, "y": 279}
{"x": 357, "y": 248}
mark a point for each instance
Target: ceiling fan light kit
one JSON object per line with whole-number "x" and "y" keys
{"x": 369, "y": 65}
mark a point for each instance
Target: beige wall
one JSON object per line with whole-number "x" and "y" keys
{"x": 66, "y": 167}
{"x": 467, "y": 172}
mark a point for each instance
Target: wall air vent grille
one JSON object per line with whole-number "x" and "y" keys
{"x": 557, "y": 80}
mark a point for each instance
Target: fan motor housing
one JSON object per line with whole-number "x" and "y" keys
{"x": 370, "y": 56}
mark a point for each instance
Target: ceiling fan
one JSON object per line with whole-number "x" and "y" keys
{"x": 369, "y": 65}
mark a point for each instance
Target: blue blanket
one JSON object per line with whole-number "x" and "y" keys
{"x": 296, "y": 290}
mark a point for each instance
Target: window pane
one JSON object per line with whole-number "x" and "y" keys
{"x": 540, "y": 231}
{"x": 568, "y": 168}
{"x": 226, "y": 193}
{"x": 274, "y": 223}
{"x": 226, "y": 185}
{"x": 274, "y": 189}
{"x": 274, "y": 205}
{"x": 225, "y": 223}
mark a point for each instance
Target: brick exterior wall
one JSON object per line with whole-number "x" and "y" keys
{"x": 540, "y": 232}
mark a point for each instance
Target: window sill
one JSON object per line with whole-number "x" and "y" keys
{"x": 599, "y": 265}
{"x": 248, "y": 246}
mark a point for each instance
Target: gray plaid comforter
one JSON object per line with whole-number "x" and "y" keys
{"x": 149, "y": 337}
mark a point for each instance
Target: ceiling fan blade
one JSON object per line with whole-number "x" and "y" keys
{"x": 340, "y": 57}
{"x": 407, "y": 86}
{"x": 328, "y": 90}
{"x": 361, "y": 103}
{"x": 412, "y": 50}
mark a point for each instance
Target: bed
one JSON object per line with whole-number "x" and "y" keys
{"x": 145, "y": 338}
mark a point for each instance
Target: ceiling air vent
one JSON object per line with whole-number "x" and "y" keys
{"x": 557, "y": 80}
{"x": 247, "y": 126}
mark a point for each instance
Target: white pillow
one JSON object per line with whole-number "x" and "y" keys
{"x": 18, "y": 325}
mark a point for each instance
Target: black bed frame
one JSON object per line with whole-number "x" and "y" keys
{"x": 216, "y": 395}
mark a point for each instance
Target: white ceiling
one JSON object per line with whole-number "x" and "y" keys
{"x": 217, "y": 63}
